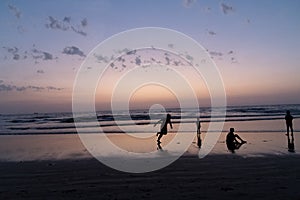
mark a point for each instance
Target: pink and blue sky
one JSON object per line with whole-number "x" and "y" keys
{"x": 254, "y": 43}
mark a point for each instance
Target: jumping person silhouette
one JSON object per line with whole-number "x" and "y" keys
{"x": 163, "y": 127}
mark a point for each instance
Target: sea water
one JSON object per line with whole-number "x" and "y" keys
{"x": 258, "y": 118}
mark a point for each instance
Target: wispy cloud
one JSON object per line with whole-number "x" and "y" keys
{"x": 40, "y": 71}
{"x": 14, "y": 51}
{"x": 17, "y": 54}
{"x": 57, "y": 24}
{"x": 78, "y": 31}
{"x": 67, "y": 19}
{"x": 226, "y": 9}
{"x": 215, "y": 53}
{"x": 84, "y": 22}
{"x": 17, "y": 13}
{"x": 73, "y": 51}
{"x": 65, "y": 25}
{"x": 38, "y": 54}
{"x": 9, "y": 88}
{"x": 210, "y": 32}
{"x": 138, "y": 60}
{"x": 188, "y": 3}
{"x": 53, "y": 88}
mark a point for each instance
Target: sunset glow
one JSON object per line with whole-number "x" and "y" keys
{"x": 254, "y": 44}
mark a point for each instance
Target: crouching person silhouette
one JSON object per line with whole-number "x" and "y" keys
{"x": 232, "y": 142}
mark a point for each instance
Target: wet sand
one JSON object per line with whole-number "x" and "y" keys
{"x": 59, "y": 167}
{"x": 214, "y": 177}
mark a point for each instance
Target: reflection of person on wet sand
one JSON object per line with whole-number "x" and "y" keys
{"x": 291, "y": 146}
{"x": 163, "y": 127}
{"x": 198, "y": 124}
{"x": 232, "y": 142}
{"x": 289, "y": 123}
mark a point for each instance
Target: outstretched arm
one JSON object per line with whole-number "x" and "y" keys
{"x": 157, "y": 122}
{"x": 237, "y": 136}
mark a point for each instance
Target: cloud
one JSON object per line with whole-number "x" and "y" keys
{"x": 16, "y": 57}
{"x": 56, "y": 24}
{"x": 65, "y": 25}
{"x": 14, "y": 51}
{"x": 189, "y": 58}
{"x": 73, "y": 51}
{"x": 188, "y": 3}
{"x": 226, "y": 9}
{"x": 54, "y": 88}
{"x": 4, "y": 87}
{"x": 211, "y": 32}
{"x": 47, "y": 56}
{"x": 168, "y": 60}
{"x": 131, "y": 52}
{"x": 171, "y": 46}
{"x": 40, "y": 71}
{"x": 207, "y": 9}
{"x": 233, "y": 60}
{"x": 84, "y": 22}
{"x": 230, "y": 52}
{"x": 79, "y": 31}
{"x": 67, "y": 19}
{"x": 8, "y": 88}
{"x": 38, "y": 54}
{"x": 101, "y": 58}
{"x": 215, "y": 53}
{"x": 15, "y": 11}
{"x": 138, "y": 61}
{"x": 36, "y": 88}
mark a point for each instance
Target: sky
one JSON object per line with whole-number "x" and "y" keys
{"x": 255, "y": 45}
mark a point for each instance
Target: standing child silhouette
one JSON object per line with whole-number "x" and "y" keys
{"x": 289, "y": 123}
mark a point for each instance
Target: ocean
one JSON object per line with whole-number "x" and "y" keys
{"x": 63, "y": 123}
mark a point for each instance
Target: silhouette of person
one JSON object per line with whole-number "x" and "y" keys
{"x": 163, "y": 127}
{"x": 289, "y": 123}
{"x": 232, "y": 142}
{"x": 198, "y": 124}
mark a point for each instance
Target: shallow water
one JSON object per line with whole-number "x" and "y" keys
{"x": 141, "y": 121}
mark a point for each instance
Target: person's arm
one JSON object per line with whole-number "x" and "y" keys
{"x": 157, "y": 122}
{"x": 237, "y": 136}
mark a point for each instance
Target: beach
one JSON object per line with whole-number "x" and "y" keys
{"x": 59, "y": 167}
{"x": 42, "y": 157}
{"x": 214, "y": 177}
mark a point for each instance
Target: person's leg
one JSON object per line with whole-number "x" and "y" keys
{"x": 287, "y": 129}
{"x": 238, "y": 145}
{"x": 292, "y": 130}
{"x": 159, "y": 137}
